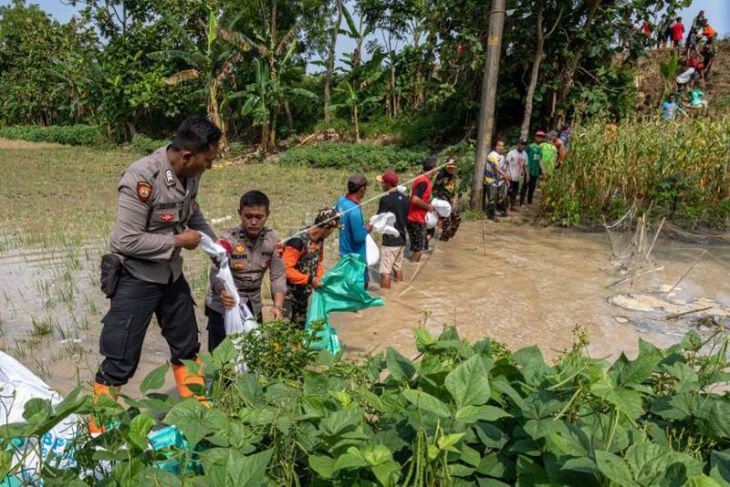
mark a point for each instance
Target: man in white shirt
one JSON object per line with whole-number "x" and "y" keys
{"x": 516, "y": 164}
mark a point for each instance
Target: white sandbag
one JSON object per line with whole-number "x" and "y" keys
{"x": 18, "y": 385}
{"x": 432, "y": 219}
{"x": 384, "y": 223}
{"x": 372, "y": 252}
{"x": 685, "y": 77}
{"x": 238, "y": 319}
{"x": 443, "y": 207}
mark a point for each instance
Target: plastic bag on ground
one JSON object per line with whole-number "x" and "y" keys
{"x": 371, "y": 251}
{"x": 343, "y": 289}
{"x": 432, "y": 219}
{"x": 18, "y": 385}
{"x": 442, "y": 207}
{"x": 385, "y": 223}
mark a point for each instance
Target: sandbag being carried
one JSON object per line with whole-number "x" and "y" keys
{"x": 384, "y": 223}
{"x": 442, "y": 207}
{"x": 238, "y": 319}
{"x": 432, "y": 219}
{"x": 372, "y": 252}
{"x": 685, "y": 77}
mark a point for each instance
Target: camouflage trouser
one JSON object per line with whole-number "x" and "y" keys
{"x": 296, "y": 304}
{"x": 450, "y": 225}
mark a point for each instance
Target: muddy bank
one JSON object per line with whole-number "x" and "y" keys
{"x": 519, "y": 284}
{"x": 524, "y": 285}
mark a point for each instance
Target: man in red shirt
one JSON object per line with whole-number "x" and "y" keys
{"x": 677, "y": 32}
{"x": 419, "y": 205}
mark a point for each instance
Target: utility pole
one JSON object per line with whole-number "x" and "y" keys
{"x": 488, "y": 99}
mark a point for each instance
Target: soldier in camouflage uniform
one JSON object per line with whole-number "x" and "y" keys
{"x": 303, "y": 260}
{"x": 444, "y": 188}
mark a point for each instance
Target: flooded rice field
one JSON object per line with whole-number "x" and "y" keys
{"x": 519, "y": 284}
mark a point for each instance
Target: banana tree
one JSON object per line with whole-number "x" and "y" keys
{"x": 214, "y": 66}
{"x": 261, "y": 98}
{"x": 354, "y": 96}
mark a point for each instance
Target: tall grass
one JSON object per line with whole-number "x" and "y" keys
{"x": 680, "y": 170}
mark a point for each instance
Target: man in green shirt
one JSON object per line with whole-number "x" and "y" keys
{"x": 549, "y": 155}
{"x": 534, "y": 168}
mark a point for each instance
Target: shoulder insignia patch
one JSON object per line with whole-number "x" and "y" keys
{"x": 169, "y": 177}
{"x": 144, "y": 191}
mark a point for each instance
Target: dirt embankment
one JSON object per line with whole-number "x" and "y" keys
{"x": 650, "y": 83}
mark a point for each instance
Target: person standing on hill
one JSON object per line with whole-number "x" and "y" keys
{"x": 677, "y": 33}
{"x": 534, "y": 168}
{"x": 494, "y": 180}
{"x": 354, "y": 231}
{"x": 663, "y": 31}
{"x": 708, "y": 55}
{"x": 670, "y": 108}
{"x": 444, "y": 188}
{"x": 562, "y": 151}
{"x": 516, "y": 168}
{"x": 304, "y": 264}
{"x": 393, "y": 248}
{"x": 549, "y": 155}
{"x": 419, "y": 205}
{"x": 252, "y": 248}
{"x": 699, "y": 21}
{"x": 157, "y": 217}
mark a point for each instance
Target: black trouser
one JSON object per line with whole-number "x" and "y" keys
{"x": 125, "y": 325}
{"x": 490, "y": 199}
{"x": 528, "y": 188}
{"x": 217, "y": 328}
{"x": 296, "y": 303}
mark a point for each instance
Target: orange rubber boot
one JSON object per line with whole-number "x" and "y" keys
{"x": 100, "y": 390}
{"x": 183, "y": 378}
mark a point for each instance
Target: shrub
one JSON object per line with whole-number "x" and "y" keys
{"x": 362, "y": 157}
{"x": 462, "y": 414}
{"x": 88, "y": 135}
{"x": 678, "y": 170}
{"x": 146, "y": 145}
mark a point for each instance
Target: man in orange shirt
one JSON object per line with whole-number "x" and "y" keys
{"x": 303, "y": 261}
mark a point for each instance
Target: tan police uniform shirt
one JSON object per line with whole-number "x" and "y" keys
{"x": 154, "y": 206}
{"x": 249, "y": 261}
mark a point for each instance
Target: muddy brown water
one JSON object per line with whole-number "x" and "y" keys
{"x": 519, "y": 284}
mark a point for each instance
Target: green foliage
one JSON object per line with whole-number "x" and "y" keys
{"x": 676, "y": 170}
{"x": 463, "y": 414}
{"x": 146, "y": 145}
{"x": 59, "y": 134}
{"x": 364, "y": 157}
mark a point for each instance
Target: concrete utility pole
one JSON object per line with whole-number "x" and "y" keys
{"x": 488, "y": 99}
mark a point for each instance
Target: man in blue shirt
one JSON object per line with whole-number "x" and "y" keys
{"x": 354, "y": 230}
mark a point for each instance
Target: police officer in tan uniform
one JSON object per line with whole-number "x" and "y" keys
{"x": 157, "y": 217}
{"x": 252, "y": 248}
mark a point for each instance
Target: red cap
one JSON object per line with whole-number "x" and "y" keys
{"x": 540, "y": 133}
{"x": 389, "y": 177}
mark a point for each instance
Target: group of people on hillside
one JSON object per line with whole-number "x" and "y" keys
{"x": 671, "y": 32}
{"x": 514, "y": 177}
{"x": 695, "y": 64}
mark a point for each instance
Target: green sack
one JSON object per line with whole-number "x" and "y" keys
{"x": 343, "y": 289}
